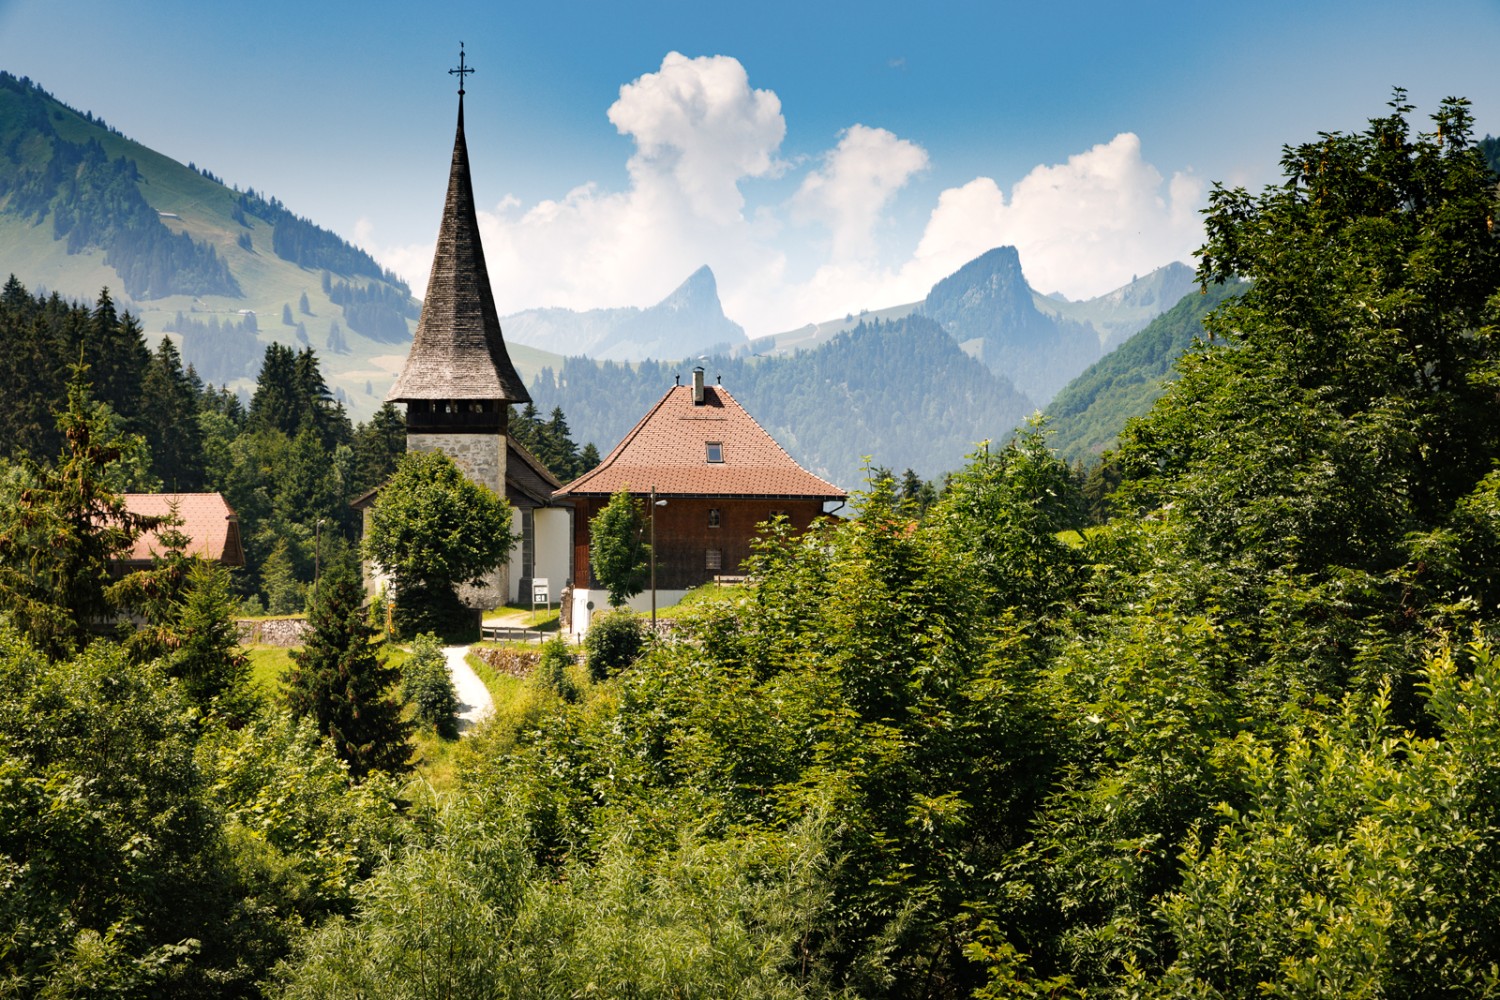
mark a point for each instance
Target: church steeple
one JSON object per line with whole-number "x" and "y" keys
{"x": 458, "y": 362}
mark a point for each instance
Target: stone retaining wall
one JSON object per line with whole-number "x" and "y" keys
{"x": 272, "y": 631}
{"x": 509, "y": 662}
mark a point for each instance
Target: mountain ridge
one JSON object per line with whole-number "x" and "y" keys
{"x": 688, "y": 322}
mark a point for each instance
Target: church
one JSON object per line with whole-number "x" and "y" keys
{"x": 712, "y": 471}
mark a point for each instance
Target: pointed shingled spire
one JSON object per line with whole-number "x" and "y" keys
{"x": 459, "y": 351}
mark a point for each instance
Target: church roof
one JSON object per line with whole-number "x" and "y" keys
{"x": 670, "y": 451}
{"x": 458, "y": 351}
{"x": 528, "y": 483}
{"x": 212, "y": 528}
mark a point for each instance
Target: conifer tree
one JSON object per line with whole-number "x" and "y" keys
{"x": 285, "y": 594}
{"x": 173, "y": 434}
{"x": 117, "y": 356}
{"x": 558, "y": 450}
{"x": 274, "y": 405}
{"x": 59, "y": 529}
{"x": 341, "y": 682}
{"x": 34, "y": 338}
{"x": 378, "y": 444}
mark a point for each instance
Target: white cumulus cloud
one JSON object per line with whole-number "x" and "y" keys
{"x": 852, "y": 190}
{"x": 699, "y": 129}
{"x": 703, "y": 136}
{"x": 1082, "y": 227}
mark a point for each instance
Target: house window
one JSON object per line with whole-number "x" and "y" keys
{"x": 528, "y": 543}
{"x": 713, "y": 517}
{"x": 716, "y": 451}
{"x": 714, "y": 559}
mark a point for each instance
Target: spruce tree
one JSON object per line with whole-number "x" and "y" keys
{"x": 60, "y": 527}
{"x": 341, "y": 682}
{"x": 274, "y": 405}
{"x": 378, "y": 444}
{"x": 172, "y": 432}
{"x": 558, "y": 450}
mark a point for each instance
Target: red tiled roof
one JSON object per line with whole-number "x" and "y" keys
{"x": 668, "y": 451}
{"x": 207, "y": 519}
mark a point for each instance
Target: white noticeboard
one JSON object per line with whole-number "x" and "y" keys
{"x": 540, "y": 591}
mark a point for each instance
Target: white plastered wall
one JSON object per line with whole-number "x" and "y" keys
{"x": 640, "y": 603}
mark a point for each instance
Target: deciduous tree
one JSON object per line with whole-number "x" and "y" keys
{"x": 432, "y": 529}
{"x": 618, "y": 554}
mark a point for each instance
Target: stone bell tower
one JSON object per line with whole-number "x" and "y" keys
{"x": 459, "y": 381}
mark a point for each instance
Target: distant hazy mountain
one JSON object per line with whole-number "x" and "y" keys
{"x": 1087, "y": 416}
{"x": 1118, "y": 314}
{"x": 1037, "y": 341}
{"x": 899, "y": 392}
{"x": 989, "y": 309}
{"x": 687, "y": 323}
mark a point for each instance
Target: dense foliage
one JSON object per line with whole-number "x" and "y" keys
{"x": 615, "y": 640}
{"x": 1239, "y": 741}
{"x": 1233, "y": 743}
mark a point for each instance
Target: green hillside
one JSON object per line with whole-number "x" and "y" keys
{"x": 1089, "y": 413}
{"x": 898, "y": 392}
{"x": 82, "y": 207}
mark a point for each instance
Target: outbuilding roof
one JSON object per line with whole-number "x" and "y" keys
{"x": 211, "y": 525}
{"x": 458, "y": 351}
{"x": 714, "y": 448}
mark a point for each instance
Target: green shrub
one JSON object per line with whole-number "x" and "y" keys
{"x": 552, "y": 669}
{"x": 613, "y": 642}
{"x": 427, "y": 686}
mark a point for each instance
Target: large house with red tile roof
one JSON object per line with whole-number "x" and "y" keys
{"x": 716, "y": 475}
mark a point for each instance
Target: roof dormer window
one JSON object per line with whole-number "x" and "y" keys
{"x": 715, "y": 451}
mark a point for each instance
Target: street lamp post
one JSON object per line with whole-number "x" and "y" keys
{"x": 655, "y": 503}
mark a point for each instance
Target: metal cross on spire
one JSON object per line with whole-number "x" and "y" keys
{"x": 462, "y": 70}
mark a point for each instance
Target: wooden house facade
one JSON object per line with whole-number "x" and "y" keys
{"x": 716, "y": 475}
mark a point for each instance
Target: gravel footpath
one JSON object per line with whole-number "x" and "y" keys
{"x": 475, "y": 703}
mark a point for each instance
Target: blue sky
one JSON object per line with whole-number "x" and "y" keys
{"x": 821, "y": 157}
